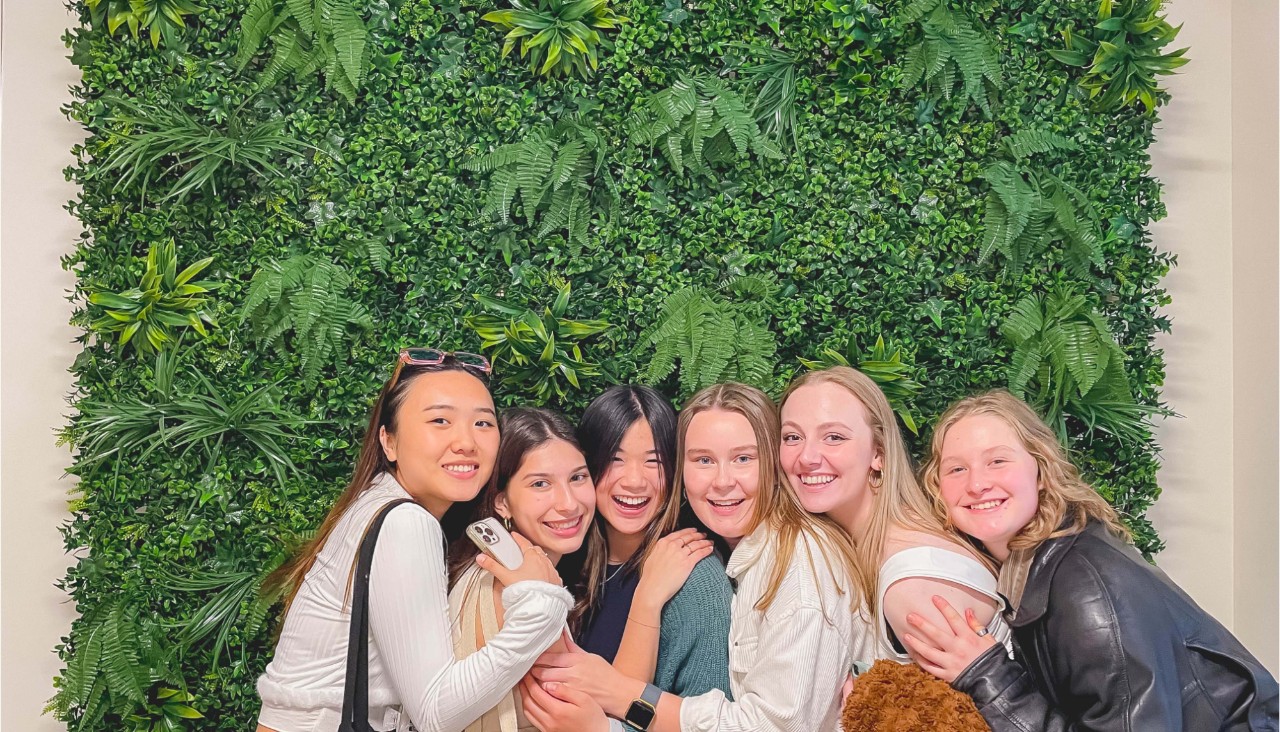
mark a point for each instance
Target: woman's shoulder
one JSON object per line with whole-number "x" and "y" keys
{"x": 707, "y": 578}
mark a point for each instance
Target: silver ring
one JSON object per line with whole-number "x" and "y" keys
{"x": 983, "y": 633}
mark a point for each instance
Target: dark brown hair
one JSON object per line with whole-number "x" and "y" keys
{"x": 603, "y": 426}
{"x": 371, "y": 463}
{"x": 523, "y": 430}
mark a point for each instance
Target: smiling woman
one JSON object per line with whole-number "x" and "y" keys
{"x": 431, "y": 441}
{"x": 540, "y": 488}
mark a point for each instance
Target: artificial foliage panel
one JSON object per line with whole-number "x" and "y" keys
{"x": 837, "y": 155}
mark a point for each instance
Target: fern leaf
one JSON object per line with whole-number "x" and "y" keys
{"x": 1030, "y": 141}
{"x": 257, "y": 23}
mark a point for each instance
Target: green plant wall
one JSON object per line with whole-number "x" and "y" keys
{"x": 858, "y": 196}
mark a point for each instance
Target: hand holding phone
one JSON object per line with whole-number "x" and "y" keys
{"x": 493, "y": 540}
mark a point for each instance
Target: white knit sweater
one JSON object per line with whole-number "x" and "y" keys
{"x": 412, "y": 668}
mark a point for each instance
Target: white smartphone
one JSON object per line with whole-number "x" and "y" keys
{"x": 494, "y": 540}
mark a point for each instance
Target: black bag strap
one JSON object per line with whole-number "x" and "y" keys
{"x": 355, "y": 693}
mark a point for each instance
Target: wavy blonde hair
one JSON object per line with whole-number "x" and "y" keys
{"x": 1067, "y": 502}
{"x": 776, "y": 503}
{"x": 898, "y": 501}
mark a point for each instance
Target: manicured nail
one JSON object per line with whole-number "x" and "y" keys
{"x": 913, "y": 618}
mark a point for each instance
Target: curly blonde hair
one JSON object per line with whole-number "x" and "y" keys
{"x": 1067, "y": 502}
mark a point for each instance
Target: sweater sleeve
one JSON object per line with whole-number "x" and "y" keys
{"x": 693, "y": 655}
{"x": 409, "y": 622}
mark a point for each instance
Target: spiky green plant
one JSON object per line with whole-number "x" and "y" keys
{"x": 950, "y": 50}
{"x": 239, "y": 599}
{"x": 558, "y": 36}
{"x": 152, "y": 143}
{"x": 161, "y": 18}
{"x": 699, "y": 122}
{"x": 715, "y": 335}
{"x": 305, "y": 294}
{"x": 557, "y": 172}
{"x": 164, "y": 300}
{"x": 536, "y": 353}
{"x": 775, "y": 108}
{"x": 1123, "y": 54}
{"x": 885, "y": 366}
{"x": 307, "y": 36}
{"x": 175, "y": 416}
{"x": 1067, "y": 364}
{"x": 1028, "y": 207}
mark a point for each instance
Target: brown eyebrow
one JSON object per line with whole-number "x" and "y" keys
{"x": 451, "y": 408}
{"x": 530, "y": 476}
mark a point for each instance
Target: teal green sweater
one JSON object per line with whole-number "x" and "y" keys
{"x": 693, "y": 646}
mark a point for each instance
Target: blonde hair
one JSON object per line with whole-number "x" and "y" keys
{"x": 1067, "y": 502}
{"x": 898, "y": 501}
{"x": 776, "y": 503}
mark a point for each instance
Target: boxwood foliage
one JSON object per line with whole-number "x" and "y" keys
{"x": 870, "y": 220}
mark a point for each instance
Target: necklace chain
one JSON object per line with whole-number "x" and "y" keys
{"x": 614, "y": 573}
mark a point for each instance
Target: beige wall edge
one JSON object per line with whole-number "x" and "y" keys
{"x": 36, "y": 348}
{"x": 1255, "y": 231}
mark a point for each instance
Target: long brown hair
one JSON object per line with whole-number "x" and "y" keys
{"x": 603, "y": 425}
{"x": 1067, "y": 502}
{"x": 898, "y": 501}
{"x": 523, "y": 430}
{"x": 776, "y": 503}
{"x": 371, "y": 463}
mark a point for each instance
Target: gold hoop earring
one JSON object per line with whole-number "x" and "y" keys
{"x": 506, "y": 523}
{"x": 875, "y": 479}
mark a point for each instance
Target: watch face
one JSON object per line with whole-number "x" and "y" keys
{"x": 640, "y": 714}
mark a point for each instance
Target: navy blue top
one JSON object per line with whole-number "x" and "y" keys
{"x": 602, "y": 630}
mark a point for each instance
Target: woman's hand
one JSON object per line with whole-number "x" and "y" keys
{"x": 947, "y": 652}
{"x": 588, "y": 674}
{"x": 558, "y": 708}
{"x": 668, "y": 566}
{"x": 536, "y": 565}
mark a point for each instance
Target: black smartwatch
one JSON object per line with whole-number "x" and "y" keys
{"x": 642, "y": 711}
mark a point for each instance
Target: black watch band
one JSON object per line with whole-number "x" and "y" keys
{"x": 642, "y": 711}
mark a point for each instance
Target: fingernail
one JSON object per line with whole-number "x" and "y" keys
{"x": 913, "y": 618}
{"x": 937, "y": 600}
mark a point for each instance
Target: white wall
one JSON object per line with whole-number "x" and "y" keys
{"x": 35, "y": 350}
{"x": 1217, "y": 157}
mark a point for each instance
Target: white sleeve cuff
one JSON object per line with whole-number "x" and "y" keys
{"x": 701, "y": 713}
{"x": 533, "y": 591}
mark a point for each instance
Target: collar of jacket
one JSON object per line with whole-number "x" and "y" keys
{"x": 1035, "y": 597}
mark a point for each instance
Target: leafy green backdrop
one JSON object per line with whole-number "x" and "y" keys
{"x": 344, "y": 230}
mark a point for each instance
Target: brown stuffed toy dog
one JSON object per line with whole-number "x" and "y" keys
{"x": 895, "y": 697}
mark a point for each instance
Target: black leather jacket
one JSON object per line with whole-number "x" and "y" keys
{"x": 1105, "y": 641}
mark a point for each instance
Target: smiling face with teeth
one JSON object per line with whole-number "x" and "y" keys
{"x": 829, "y": 453}
{"x": 550, "y": 498}
{"x": 721, "y": 471}
{"x": 630, "y": 492}
{"x": 988, "y": 481}
{"x": 443, "y": 440}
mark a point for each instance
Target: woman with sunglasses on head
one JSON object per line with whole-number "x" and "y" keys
{"x": 431, "y": 441}
{"x": 846, "y": 459}
{"x": 793, "y": 637}
{"x": 653, "y": 600}
{"x": 541, "y": 489}
{"x": 1104, "y": 640}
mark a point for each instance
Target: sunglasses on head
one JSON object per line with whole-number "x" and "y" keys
{"x": 435, "y": 357}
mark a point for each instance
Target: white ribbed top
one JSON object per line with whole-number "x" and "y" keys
{"x": 933, "y": 562}
{"x": 786, "y": 665}
{"x": 411, "y": 660}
